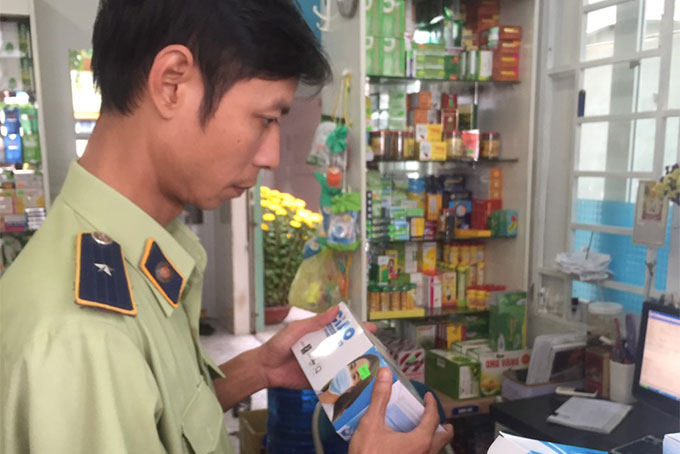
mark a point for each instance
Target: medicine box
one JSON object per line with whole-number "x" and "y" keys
{"x": 455, "y": 375}
{"x": 493, "y": 364}
{"x": 341, "y": 363}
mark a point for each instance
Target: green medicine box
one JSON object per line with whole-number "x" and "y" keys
{"x": 455, "y": 375}
{"x": 391, "y": 17}
{"x": 507, "y": 320}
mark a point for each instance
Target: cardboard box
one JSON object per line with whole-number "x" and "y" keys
{"x": 433, "y": 291}
{"x": 449, "y": 122}
{"x": 417, "y": 279}
{"x": 420, "y": 100}
{"x": 252, "y": 430}
{"x": 427, "y": 257}
{"x": 422, "y": 334}
{"x": 494, "y": 363}
{"x": 391, "y": 18}
{"x": 423, "y": 116}
{"x": 482, "y": 209}
{"x": 411, "y": 361}
{"x": 504, "y": 223}
{"x": 464, "y": 347}
{"x": 411, "y": 257}
{"x": 509, "y": 74}
{"x": 507, "y": 320}
{"x": 449, "y": 333}
{"x": 452, "y": 374}
{"x": 476, "y": 326}
{"x": 341, "y": 362}
{"x": 428, "y": 133}
{"x": 449, "y": 288}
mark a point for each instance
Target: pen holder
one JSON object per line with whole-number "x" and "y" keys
{"x": 621, "y": 382}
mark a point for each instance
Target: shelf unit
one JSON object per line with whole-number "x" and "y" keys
{"x": 22, "y": 11}
{"x": 504, "y": 107}
{"x": 419, "y": 313}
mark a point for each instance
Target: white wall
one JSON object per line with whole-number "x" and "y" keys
{"x": 15, "y": 7}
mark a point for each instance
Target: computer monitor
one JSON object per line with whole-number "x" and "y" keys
{"x": 657, "y": 370}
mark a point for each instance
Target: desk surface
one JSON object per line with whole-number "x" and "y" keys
{"x": 528, "y": 418}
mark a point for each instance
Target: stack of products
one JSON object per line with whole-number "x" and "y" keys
{"x": 445, "y": 207}
{"x": 429, "y": 275}
{"x": 16, "y": 70}
{"x": 385, "y": 43}
{"x": 22, "y": 200}
{"x": 427, "y": 125}
{"x": 424, "y": 39}
{"x": 408, "y": 356}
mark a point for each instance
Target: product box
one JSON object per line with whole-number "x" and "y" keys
{"x": 455, "y": 375}
{"x": 506, "y": 74}
{"x": 28, "y": 198}
{"x": 485, "y": 62}
{"x": 424, "y": 116}
{"x": 391, "y": 17}
{"x": 372, "y": 55}
{"x": 506, "y": 443}
{"x": 449, "y": 288}
{"x": 433, "y": 291}
{"x": 6, "y": 201}
{"x": 427, "y": 257}
{"x": 464, "y": 347}
{"x": 463, "y": 213}
{"x": 507, "y": 320}
{"x": 422, "y": 334}
{"x": 597, "y": 371}
{"x": 482, "y": 209}
{"x": 452, "y": 67}
{"x": 372, "y": 15}
{"x": 449, "y": 333}
{"x": 435, "y": 74}
{"x": 341, "y": 362}
{"x": 428, "y": 133}
{"x": 514, "y": 386}
{"x": 509, "y": 60}
{"x": 449, "y": 121}
{"x": 504, "y": 223}
{"x": 476, "y": 326}
{"x": 471, "y": 144}
{"x": 392, "y": 57}
{"x": 420, "y": 100}
{"x": 467, "y": 117}
{"x": 417, "y": 227}
{"x": 417, "y": 279}
{"x": 411, "y": 257}
{"x": 411, "y": 361}
{"x": 493, "y": 364}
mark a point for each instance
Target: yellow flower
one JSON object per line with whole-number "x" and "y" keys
{"x": 300, "y": 203}
{"x": 265, "y": 227}
{"x": 281, "y": 212}
{"x": 269, "y": 217}
{"x": 295, "y": 224}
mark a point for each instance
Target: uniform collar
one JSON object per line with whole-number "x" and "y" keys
{"x": 110, "y": 212}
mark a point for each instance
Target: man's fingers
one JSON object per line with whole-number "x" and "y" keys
{"x": 441, "y": 439}
{"x": 370, "y": 327}
{"x": 430, "y": 419}
{"x": 381, "y": 395}
{"x": 301, "y": 327}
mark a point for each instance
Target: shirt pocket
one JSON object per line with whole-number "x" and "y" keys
{"x": 213, "y": 368}
{"x": 202, "y": 420}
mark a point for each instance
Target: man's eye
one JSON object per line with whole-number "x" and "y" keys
{"x": 269, "y": 121}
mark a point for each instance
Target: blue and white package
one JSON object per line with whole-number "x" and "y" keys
{"x": 341, "y": 363}
{"x": 510, "y": 444}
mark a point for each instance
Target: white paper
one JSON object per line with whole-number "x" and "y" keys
{"x": 593, "y": 415}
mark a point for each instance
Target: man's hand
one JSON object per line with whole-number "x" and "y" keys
{"x": 373, "y": 435}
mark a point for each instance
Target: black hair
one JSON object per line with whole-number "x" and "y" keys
{"x": 231, "y": 40}
{"x": 347, "y": 398}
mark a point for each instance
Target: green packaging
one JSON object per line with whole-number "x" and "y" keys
{"x": 455, "y": 375}
{"x": 391, "y": 18}
{"x": 507, "y": 320}
{"x": 392, "y": 57}
{"x": 477, "y": 326}
{"x": 372, "y": 55}
{"x": 372, "y": 7}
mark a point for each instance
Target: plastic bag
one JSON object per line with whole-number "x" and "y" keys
{"x": 317, "y": 283}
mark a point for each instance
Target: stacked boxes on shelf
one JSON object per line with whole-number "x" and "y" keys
{"x": 474, "y": 368}
{"x": 504, "y": 41}
{"x": 385, "y": 43}
{"x": 22, "y": 201}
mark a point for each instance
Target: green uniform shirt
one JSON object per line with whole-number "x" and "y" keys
{"x": 78, "y": 379}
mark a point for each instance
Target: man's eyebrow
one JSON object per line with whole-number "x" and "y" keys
{"x": 281, "y": 105}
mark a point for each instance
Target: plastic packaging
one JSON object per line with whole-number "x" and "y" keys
{"x": 341, "y": 362}
{"x": 454, "y": 146}
{"x": 490, "y": 145}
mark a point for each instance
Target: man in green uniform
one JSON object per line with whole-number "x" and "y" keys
{"x": 99, "y": 338}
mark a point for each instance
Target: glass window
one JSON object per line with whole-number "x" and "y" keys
{"x": 672, "y": 152}
{"x": 617, "y": 146}
{"x": 622, "y": 88}
{"x": 614, "y": 30}
{"x": 606, "y": 201}
{"x": 674, "y": 93}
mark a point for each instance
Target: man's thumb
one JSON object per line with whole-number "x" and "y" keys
{"x": 382, "y": 389}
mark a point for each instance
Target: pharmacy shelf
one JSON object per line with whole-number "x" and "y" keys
{"x": 438, "y": 240}
{"x": 433, "y": 166}
{"x": 421, "y": 312}
{"x": 376, "y": 79}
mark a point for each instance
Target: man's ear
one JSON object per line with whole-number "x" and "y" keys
{"x": 169, "y": 75}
